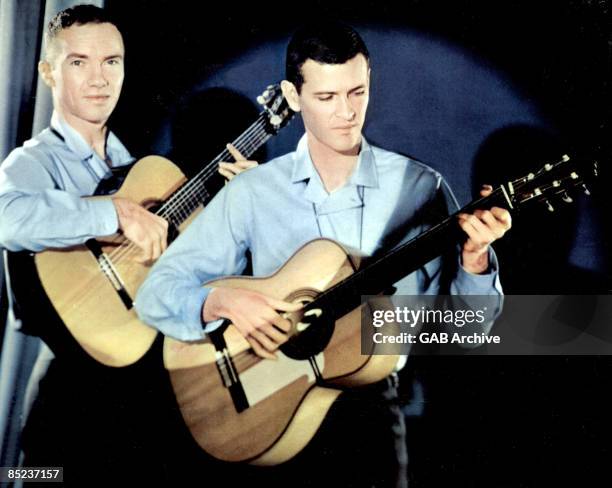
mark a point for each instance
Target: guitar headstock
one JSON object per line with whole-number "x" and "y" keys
{"x": 277, "y": 110}
{"x": 551, "y": 183}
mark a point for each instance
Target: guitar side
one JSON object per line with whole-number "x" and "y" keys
{"x": 286, "y": 402}
{"x": 85, "y": 298}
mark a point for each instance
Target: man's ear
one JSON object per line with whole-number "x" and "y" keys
{"x": 44, "y": 70}
{"x": 291, "y": 95}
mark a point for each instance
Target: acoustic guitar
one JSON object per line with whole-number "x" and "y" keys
{"x": 92, "y": 286}
{"x": 242, "y": 408}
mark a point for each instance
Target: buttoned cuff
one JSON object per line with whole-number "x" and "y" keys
{"x": 213, "y": 325}
{"x": 104, "y": 216}
{"x": 477, "y": 284}
{"x": 192, "y": 314}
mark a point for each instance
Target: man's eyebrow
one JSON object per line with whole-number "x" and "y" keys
{"x": 85, "y": 56}
{"x": 358, "y": 87}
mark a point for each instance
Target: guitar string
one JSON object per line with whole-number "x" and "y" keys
{"x": 354, "y": 279}
{"x": 249, "y": 139}
{"x": 251, "y": 134}
{"x": 180, "y": 210}
{"x": 241, "y": 360}
{"x": 177, "y": 208}
{"x": 257, "y": 132}
{"x": 250, "y": 142}
{"x": 184, "y": 193}
{"x": 522, "y": 181}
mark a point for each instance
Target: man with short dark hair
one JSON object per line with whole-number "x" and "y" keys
{"x": 335, "y": 185}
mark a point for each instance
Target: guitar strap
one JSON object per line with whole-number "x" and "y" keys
{"x": 113, "y": 181}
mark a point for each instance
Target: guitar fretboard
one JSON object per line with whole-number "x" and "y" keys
{"x": 183, "y": 202}
{"x": 399, "y": 262}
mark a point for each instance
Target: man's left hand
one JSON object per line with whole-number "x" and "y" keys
{"x": 229, "y": 170}
{"x": 482, "y": 228}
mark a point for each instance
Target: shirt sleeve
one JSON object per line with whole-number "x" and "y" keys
{"x": 446, "y": 276}
{"x": 36, "y": 214}
{"x": 214, "y": 245}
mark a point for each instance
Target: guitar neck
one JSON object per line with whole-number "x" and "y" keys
{"x": 184, "y": 201}
{"x": 390, "y": 267}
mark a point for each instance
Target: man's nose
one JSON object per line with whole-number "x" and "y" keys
{"x": 97, "y": 78}
{"x": 344, "y": 109}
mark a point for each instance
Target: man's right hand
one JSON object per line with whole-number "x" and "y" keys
{"x": 148, "y": 231}
{"x": 254, "y": 315}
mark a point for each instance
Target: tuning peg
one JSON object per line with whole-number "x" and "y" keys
{"x": 549, "y": 206}
{"x": 264, "y": 97}
{"x": 275, "y": 120}
{"x": 566, "y": 198}
{"x": 586, "y": 190}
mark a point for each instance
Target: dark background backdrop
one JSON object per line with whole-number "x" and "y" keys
{"x": 480, "y": 90}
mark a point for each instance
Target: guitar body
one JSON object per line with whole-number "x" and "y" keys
{"x": 286, "y": 406}
{"x": 85, "y": 298}
{"x": 240, "y": 407}
{"x": 92, "y": 286}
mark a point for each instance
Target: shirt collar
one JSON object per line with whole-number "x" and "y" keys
{"x": 365, "y": 173}
{"x": 115, "y": 150}
{"x": 75, "y": 141}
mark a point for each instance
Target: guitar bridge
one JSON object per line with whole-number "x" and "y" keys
{"x": 106, "y": 266}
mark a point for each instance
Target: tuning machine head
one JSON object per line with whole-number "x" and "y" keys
{"x": 268, "y": 94}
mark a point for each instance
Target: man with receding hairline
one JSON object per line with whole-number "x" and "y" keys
{"x": 96, "y": 422}
{"x": 79, "y": 419}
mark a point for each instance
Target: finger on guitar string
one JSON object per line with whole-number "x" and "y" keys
{"x": 146, "y": 230}
{"x": 255, "y": 316}
{"x": 259, "y": 349}
{"x": 229, "y": 170}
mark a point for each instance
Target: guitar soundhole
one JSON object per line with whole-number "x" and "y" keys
{"x": 313, "y": 332}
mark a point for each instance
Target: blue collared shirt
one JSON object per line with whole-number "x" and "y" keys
{"x": 274, "y": 209}
{"x": 42, "y": 185}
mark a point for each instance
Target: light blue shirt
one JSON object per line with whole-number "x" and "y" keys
{"x": 273, "y": 209}
{"x": 42, "y": 185}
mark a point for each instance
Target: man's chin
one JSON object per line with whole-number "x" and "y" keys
{"x": 350, "y": 148}
{"x": 98, "y": 118}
